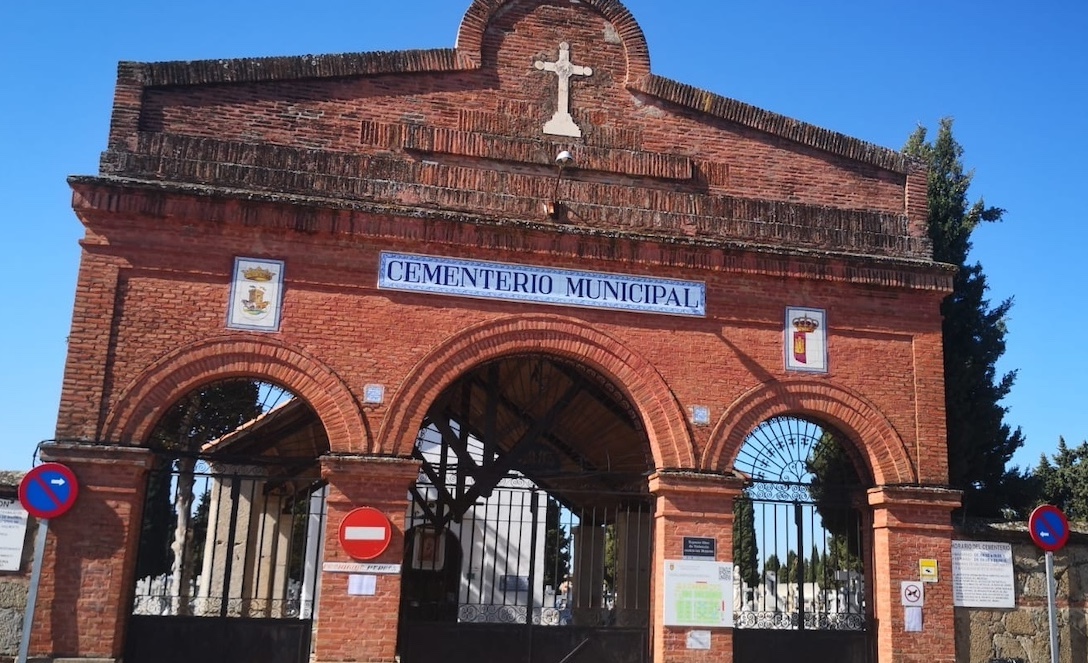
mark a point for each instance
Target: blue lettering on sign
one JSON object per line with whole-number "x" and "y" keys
{"x": 509, "y": 282}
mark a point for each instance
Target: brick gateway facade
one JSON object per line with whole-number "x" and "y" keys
{"x": 325, "y": 169}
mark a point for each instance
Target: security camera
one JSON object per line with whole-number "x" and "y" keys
{"x": 564, "y": 158}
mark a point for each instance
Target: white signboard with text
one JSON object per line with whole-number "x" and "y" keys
{"x": 543, "y": 285}
{"x": 983, "y": 575}
{"x": 698, "y": 593}
{"x": 13, "y": 519}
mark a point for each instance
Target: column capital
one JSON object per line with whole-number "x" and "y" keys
{"x": 913, "y": 507}
{"x": 937, "y": 497}
{"x": 78, "y": 453}
{"x": 679, "y": 482}
{"x": 332, "y": 464}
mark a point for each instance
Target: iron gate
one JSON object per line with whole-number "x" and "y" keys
{"x": 799, "y": 549}
{"x": 525, "y": 575}
{"x": 227, "y": 567}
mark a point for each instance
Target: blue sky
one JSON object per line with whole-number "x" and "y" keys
{"x": 1014, "y": 76}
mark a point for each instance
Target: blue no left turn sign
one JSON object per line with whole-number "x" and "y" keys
{"x": 48, "y": 491}
{"x": 1049, "y": 528}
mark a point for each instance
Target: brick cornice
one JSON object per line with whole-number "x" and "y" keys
{"x": 97, "y": 203}
{"x": 825, "y": 140}
{"x": 687, "y": 211}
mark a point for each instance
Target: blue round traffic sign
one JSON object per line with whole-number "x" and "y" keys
{"x": 48, "y": 491}
{"x": 1049, "y": 528}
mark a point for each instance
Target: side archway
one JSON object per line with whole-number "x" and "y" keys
{"x": 880, "y": 447}
{"x": 665, "y": 424}
{"x": 143, "y": 402}
{"x": 470, "y": 36}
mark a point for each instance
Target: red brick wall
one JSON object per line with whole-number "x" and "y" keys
{"x": 441, "y": 153}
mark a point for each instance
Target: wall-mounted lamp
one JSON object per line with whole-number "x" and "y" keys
{"x": 553, "y": 207}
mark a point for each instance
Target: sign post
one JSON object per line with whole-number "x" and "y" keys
{"x": 47, "y": 491}
{"x": 1050, "y": 531}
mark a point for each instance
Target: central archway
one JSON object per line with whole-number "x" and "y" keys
{"x": 529, "y": 529}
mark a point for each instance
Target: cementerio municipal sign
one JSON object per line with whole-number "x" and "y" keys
{"x": 542, "y": 285}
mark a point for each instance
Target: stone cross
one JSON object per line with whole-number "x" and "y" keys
{"x": 562, "y": 124}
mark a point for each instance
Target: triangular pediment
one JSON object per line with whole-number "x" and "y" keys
{"x": 476, "y": 129}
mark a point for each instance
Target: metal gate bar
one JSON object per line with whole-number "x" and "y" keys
{"x": 522, "y": 576}
{"x": 225, "y": 562}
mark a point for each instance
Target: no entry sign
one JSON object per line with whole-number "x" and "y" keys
{"x": 1049, "y": 528}
{"x": 48, "y": 491}
{"x": 365, "y": 533}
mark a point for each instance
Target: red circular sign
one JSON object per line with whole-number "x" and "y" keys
{"x": 365, "y": 533}
{"x": 48, "y": 491}
{"x": 1049, "y": 528}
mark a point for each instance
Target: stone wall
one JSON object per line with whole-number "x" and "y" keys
{"x": 14, "y": 584}
{"x": 1023, "y": 634}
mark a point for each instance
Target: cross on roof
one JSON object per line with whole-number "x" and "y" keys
{"x": 562, "y": 124}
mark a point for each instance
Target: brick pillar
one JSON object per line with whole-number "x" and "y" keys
{"x": 690, "y": 504}
{"x": 85, "y": 593}
{"x": 909, "y": 524}
{"x": 362, "y": 628}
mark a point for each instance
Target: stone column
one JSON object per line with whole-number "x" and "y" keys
{"x": 357, "y": 481}
{"x": 699, "y": 505}
{"x": 909, "y": 524}
{"x": 90, "y": 556}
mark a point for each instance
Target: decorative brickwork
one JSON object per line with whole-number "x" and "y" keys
{"x": 565, "y": 337}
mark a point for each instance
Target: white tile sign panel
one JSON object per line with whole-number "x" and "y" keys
{"x": 543, "y": 285}
{"x": 983, "y": 575}
{"x": 256, "y": 295}
{"x": 806, "y": 340}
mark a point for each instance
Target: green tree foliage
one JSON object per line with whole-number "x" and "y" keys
{"x": 1064, "y": 483}
{"x": 814, "y": 566}
{"x": 745, "y": 549}
{"x": 980, "y": 443}
{"x": 792, "y": 567}
{"x": 772, "y": 565}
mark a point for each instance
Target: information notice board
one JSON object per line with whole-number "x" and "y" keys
{"x": 698, "y": 593}
{"x": 13, "y": 519}
{"x": 983, "y": 575}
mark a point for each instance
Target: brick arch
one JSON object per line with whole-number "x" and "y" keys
{"x": 470, "y": 36}
{"x": 171, "y": 377}
{"x": 878, "y": 445}
{"x": 662, "y": 416}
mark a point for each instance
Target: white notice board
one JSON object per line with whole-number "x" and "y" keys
{"x": 12, "y": 534}
{"x": 983, "y": 575}
{"x": 698, "y": 593}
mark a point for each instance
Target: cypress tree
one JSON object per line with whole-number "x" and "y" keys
{"x": 980, "y": 443}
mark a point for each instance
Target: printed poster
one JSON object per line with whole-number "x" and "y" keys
{"x": 983, "y": 575}
{"x": 806, "y": 340}
{"x": 256, "y": 295}
{"x": 13, "y": 519}
{"x": 698, "y": 593}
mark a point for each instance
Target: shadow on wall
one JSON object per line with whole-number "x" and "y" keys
{"x": 1023, "y": 634}
{"x": 16, "y": 528}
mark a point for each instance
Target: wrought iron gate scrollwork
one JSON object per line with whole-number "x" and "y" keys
{"x": 799, "y": 546}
